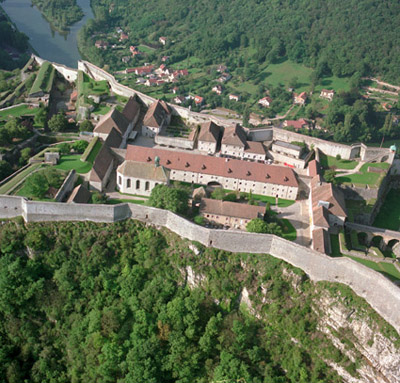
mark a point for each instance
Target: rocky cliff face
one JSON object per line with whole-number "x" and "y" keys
{"x": 365, "y": 351}
{"x": 361, "y": 340}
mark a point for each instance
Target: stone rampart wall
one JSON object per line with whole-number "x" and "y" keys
{"x": 176, "y": 142}
{"x": 66, "y": 187}
{"x": 69, "y": 74}
{"x": 378, "y": 291}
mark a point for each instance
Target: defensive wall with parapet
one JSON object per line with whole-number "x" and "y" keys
{"x": 69, "y": 74}
{"x": 377, "y": 290}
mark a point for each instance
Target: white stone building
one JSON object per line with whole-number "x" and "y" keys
{"x": 140, "y": 178}
{"x": 230, "y": 174}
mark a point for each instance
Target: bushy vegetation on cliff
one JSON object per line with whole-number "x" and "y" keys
{"x": 84, "y": 302}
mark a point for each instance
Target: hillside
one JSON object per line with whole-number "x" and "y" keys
{"x": 123, "y": 302}
{"x": 336, "y": 37}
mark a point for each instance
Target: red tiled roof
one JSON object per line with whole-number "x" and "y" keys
{"x": 156, "y": 114}
{"x": 218, "y": 166}
{"x": 209, "y": 132}
{"x": 313, "y": 168}
{"x": 234, "y": 136}
{"x": 320, "y": 241}
{"x": 230, "y": 209}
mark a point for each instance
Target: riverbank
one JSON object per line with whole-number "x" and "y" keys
{"x": 48, "y": 43}
{"x": 60, "y": 16}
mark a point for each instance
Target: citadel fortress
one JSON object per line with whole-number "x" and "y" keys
{"x": 139, "y": 153}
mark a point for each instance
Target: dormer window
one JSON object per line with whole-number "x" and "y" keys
{"x": 187, "y": 165}
{"x": 286, "y": 179}
{"x": 168, "y": 162}
{"x": 267, "y": 176}
{"x": 203, "y": 166}
{"x": 248, "y": 173}
{"x": 148, "y": 159}
{"x": 229, "y": 170}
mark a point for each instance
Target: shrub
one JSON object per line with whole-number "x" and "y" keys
{"x": 229, "y": 197}
{"x": 80, "y": 146}
{"x": 199, "y": 220}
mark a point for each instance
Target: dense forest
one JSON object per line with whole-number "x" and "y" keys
{"x": 339, "y": 37}
{"x": 86, "y": 302}
{"x": 60, "y": 13}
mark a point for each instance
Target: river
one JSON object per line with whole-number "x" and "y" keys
{"x": 49, "y": 44}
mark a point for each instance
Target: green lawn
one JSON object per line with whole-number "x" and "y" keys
{"x": 281, "y": 202}
{"x": 389, "y": 214}
{"x": 18, "y": 111}
{"x": 115, "y": 201}
{"x": 328, "y": 162}
{"x": 365, "y": 177}
{"x": 290, "y": 234}
{"x": 145, "y": 49}
{"x": 44, "y": 79}
{"x": 73, "y": 161}
{"x": 384, "y": 268}
{"x": 101, "y": 109}
{"x": 92, "y": 151}
{"x": 18, "y": 178}
{"x": 87, "y": 86}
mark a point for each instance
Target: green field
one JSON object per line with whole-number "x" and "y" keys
{"x": 365, "y": 177}
{"x": 18, "y": 111}
{"x": 7, "y": 187}
{"x": 282, "y": 73}
{"x": 44, "y": 79}
{"x": 145, "y": 49}
{"x": 73, "y": 161}
{"x": 389, "y": 214}
{"x": 329, "y": 162}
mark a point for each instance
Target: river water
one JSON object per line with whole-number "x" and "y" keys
{"x": 49, "y": 44}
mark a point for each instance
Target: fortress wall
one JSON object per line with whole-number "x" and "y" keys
{"x": 66, "y": 186}
{"x": 53, "y": 211}
{"x": 69, "y": 74}
{"x": 176, "y": 142}
{"x": 10, "y": 207}
{"x": 378, "y": 291}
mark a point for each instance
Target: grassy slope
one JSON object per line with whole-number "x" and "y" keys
{"x": 389, "y": 214}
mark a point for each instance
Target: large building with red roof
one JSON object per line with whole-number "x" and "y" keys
{"x": 231, "y": 174}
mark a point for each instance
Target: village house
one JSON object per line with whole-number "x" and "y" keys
{"x": 300, "y": 99}
{"x": 123, "y": 36}
{"x": 175, "y": 90}
{"x": 224, "y": 77}
{"x": 163, "y": 40}
{"x": 126, "y": 59}
{"x": 234, "y": 97}
{"x": 165, "y": 59}
{"x": 222, "y": 68}
{"x": 231, "y": 214}
{"x": 254, "y": 151}
{"x": 141, "y": 71}
{"x": 297, "y": 124}
{"x": 179, "y": 100}
{"x": 101, "y": 44}
{"x": 327, "y": 94}
{"x": 217, "y": 89}
{"x": 265, "y": 102}
{"x": 198, "y": 100}
{"x": 209, "y": 137}
{"x": 141, "y": 178}
{"x": 157, "y": 117}
{"x": 230, "y": 174}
